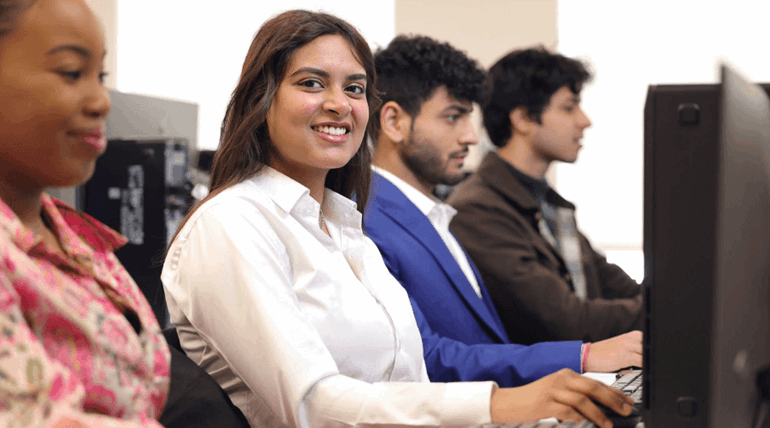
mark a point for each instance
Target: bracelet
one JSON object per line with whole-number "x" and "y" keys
{"x": 585, "y": 356}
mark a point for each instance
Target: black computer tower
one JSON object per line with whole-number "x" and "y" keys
{"x": 681, "y": 157}
{"x": 141, "y": 188}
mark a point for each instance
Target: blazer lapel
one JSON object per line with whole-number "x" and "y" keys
{"x": 395, "y": 205}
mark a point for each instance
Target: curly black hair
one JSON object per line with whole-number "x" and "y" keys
{"x": 411, "y": 68}
{"x": 526, "y": 77}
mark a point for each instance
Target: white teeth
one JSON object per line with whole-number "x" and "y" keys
{"x": 331, "y": 130}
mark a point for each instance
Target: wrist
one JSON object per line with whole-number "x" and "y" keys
{"x": 497, "y": 406}
{"x": 584, "y": 357}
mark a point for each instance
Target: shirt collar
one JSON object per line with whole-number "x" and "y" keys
{"x": 424, "y": 203}
{"x": 78, "y": 232}
{"x": 12, "y": 227}
{"x": 68, "y": 239}
{"x": 536, "y": 188}
{"x": 290, "y": 196}
{"x": 437, "y": 212}
{"x": 496, "y": 173}
{"x": 61, "y": 219}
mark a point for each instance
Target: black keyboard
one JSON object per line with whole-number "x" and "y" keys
{"x": 584, "y": 424}
{"x": 631, "y": 385}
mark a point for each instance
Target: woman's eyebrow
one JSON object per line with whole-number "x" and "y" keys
{"x": 324, "y": 74}
{"x": 85, "y": 53}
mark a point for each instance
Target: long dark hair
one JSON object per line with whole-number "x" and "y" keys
{"x": 10, "y": 10}
{"x": 245, "y": 147}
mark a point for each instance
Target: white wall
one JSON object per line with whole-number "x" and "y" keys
{"x": 631, "y": 44}
{"x": 193, "y": 50}
{"x": 107, "y": 12}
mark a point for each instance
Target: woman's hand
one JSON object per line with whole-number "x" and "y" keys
{"x": 616, "y": 353}
{"x": 564, "y": 395}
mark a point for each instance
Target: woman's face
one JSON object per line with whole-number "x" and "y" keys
{"x": 319, "y": 114}
{"x": 53, "y": 104}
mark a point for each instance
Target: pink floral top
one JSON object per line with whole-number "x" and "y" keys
{"x": 66, "y": 351}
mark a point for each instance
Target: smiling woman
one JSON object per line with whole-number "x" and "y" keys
{"x": 274, "y": 288}
{"x": 81, "y": 346}
{"x": 53, "y": 94}
{"x": 319, "y": 114}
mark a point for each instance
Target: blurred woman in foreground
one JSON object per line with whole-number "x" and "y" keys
{"x": 80, "y": 346}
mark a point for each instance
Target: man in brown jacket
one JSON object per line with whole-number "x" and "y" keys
{"x": 541, "y": 272}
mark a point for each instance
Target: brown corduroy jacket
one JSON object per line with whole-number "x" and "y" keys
{"x": 497, "y": 223}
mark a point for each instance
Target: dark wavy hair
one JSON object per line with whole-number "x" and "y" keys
{"x": 10, "y": 11}
{"x": 245, "y": 147}
{"x": 528, "y": 78}
{"x": 411, "y": 68}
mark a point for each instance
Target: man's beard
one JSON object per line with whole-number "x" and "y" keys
{"x": 426, "y": 162}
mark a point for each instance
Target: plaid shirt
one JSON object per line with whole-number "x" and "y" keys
{"x": 66, "y": 350}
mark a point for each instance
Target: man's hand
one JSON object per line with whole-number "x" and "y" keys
{"x": 564, "y": 395}
{"x": 616, "y": 353}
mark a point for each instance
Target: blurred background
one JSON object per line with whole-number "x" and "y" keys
{"x": 192, "y": 51}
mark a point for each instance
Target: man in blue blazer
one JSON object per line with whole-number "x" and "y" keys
{"x": 421, "y": 135}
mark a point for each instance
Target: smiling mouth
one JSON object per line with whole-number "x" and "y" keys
{"x": 93, "y": 137}
{"x": 460, "y": 155}
{"x": 331, "y": 130}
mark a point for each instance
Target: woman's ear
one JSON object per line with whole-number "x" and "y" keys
{"x": 521, "y": 123}
{"x": 395, "y": 122}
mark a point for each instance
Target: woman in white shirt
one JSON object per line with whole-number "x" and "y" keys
{"x": 275, "y": 290}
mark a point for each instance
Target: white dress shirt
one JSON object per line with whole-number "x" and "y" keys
{"x": 298, "y": 327}
{"x": 440, "y": 215}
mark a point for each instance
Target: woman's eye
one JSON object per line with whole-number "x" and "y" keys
{"x": 102, "y": 76}
{"x": 356, "y": 89}
{"x": 453, "y": 118}
{"x": 311, "y": 84}
{"x": 72, "y": 75}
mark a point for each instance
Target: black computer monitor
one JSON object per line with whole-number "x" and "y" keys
{"x": 707, "y": 252}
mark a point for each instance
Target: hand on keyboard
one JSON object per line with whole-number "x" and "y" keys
{"x": 564, "y": 395}
{"x": 615, "y": 353}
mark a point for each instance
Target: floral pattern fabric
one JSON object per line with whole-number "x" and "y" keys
{"x": 67, "y": 350}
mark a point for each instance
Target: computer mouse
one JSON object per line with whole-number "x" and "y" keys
{"x": 618, "y": 420}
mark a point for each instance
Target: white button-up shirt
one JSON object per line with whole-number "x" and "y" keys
{"x": 298, "y": 327}
{"x": 440, "y": 215}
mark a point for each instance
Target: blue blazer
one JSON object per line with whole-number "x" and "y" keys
{"x": 463, "y": 337}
